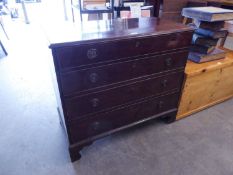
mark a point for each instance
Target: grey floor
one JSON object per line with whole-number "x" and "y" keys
{"x": 33, "y": 142}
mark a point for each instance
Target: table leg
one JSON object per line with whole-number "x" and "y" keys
{"x": 3, "y": 48}
{"x": 1, "y": 23}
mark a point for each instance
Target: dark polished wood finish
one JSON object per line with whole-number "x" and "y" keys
{"x": 106, "y": 121}
{"x": 117, "y": 74}
{"x": 98, "y": 101}
{"x": 83, "y": 80}
{"x": 140, "y": 46}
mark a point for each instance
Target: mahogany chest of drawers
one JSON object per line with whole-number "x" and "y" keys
{"x": 111, "y": 75}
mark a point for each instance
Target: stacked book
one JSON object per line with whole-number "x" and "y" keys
{"x": 209, "y": 29}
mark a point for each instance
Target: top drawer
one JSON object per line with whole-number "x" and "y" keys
{"x": 69, "y": 57}
{"x": 77, "y": 81}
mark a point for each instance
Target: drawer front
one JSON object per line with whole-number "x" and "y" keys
{"x": 97, "y": 124}
{"x": 70, "y": 57}
{"x": 80, "y": 106}
{"x": 82, "y": 80}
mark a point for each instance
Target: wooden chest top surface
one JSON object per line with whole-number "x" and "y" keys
{"x": 92, "y": 31}
{"x": 193, "y": 69}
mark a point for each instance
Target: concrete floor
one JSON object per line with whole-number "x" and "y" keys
{"x": 33, "y": 142}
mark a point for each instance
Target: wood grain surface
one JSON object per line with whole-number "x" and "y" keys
{"x": 205, "y": 85}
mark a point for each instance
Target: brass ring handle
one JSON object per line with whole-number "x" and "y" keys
{"x": 92, "y": 53}
{"x": 168, "y": 62}
{"x": 164, "y": 83}
{"x": 95, "y": 102}
{"x": 134, "y": 65}
{"x": 137, "y": 44}
{"x": 93, "y": 77}
{"x": 160, "y": 104}
{"x": 96, "y": 125}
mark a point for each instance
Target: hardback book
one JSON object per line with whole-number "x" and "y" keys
{"x": 212, "y": 34}
{"x": 204, "y": 41}
{"x": 209, "y": 14}
{"x": 202, "y": 49}
{"x": 200, "y": 58}
{"x": 217, "y": 25}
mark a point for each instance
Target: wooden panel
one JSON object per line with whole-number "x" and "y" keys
{"x": 111, "y": 120}
{"x": 174, "y": 5}
{"x": 171, "y": 10}
{"x": 173, "y": 16}
{"x": 80, "y": 106}
{"x": 83, "y": 80}
{"x": 70, "y": 57}
{"x": 205, "y": 85}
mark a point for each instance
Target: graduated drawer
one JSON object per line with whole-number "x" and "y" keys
{"x": 97, "y": 124}
{"x": 80, "y": 106}
{"x": 84, "y": 54}
{"x": 81, "y": 80}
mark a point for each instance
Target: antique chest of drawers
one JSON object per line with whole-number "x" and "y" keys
{"x": 111, "y": 75}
